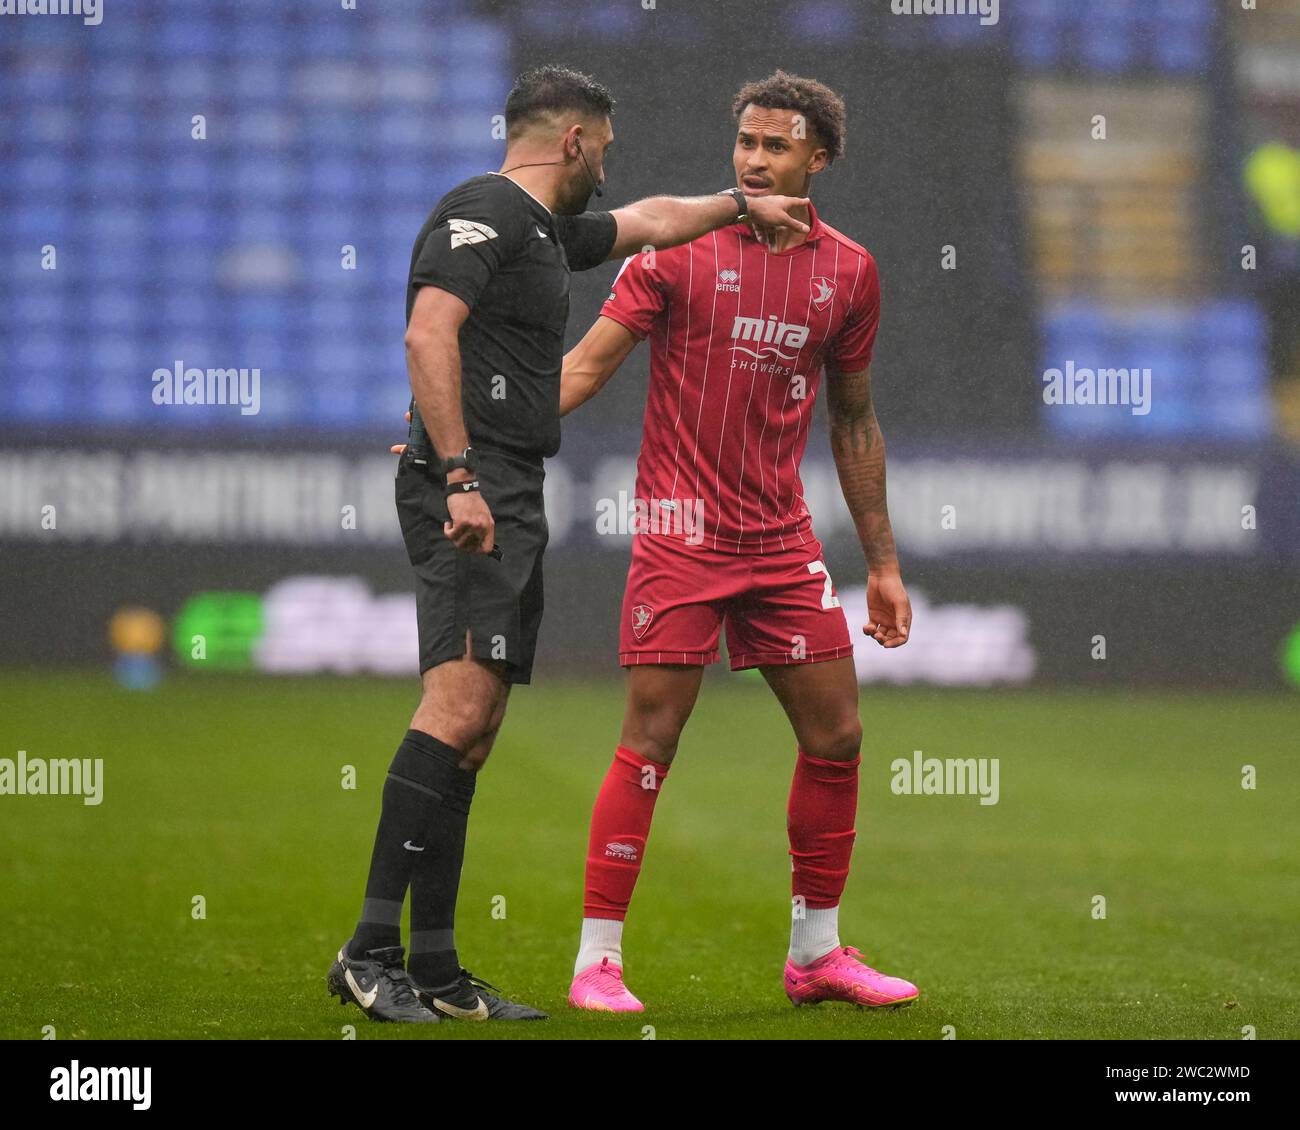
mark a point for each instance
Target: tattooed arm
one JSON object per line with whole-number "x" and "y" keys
{"x": 859, "y": 451}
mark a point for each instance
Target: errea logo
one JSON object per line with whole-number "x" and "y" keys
{"x": 729, "y": 280}
{"x": 469, "y": 231}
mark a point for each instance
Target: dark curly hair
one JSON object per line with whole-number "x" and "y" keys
{"x": 821, "y": 107}
{"x": 547, "y": 90}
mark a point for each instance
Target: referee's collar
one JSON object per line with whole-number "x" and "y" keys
{"x": 521, "y": 188}
{"x": 816, "y": 229}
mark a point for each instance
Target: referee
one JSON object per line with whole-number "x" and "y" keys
{"x": 486, "y": 306}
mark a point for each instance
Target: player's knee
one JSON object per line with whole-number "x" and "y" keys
{"x": 462, "y": 725}
{"x": 838, "y": 740}
{"x": 653, "y": 730}
{"x": 474, "y": 758}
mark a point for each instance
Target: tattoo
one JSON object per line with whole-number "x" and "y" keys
{"x": 859, "y": 450}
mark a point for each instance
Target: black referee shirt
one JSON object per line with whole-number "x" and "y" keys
{"x": 508, "y": 258}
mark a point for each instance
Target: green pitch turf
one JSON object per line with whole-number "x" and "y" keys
{"x": 230, "y": 789}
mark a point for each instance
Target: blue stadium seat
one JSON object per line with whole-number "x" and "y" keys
{"x": 34, "y": 395}
{"x": 190, "y": 35}
{"x": 191, "y": 88}
{"x": 42, "y": 175}
{"x": 110, "y": 83}
{"x": 43, "y": 309}
{"x": 337, "y": 401}
{"x": 33, "y": 226}
{"x": 118, "y": 397}
{"x": 1181, "y": 50}
{"x": 1235, "y": 320}
{"x": 299, "y": 160}
{"x": 1235, "y": 417}
{"x": 485, "y": 45}
{"x": 327, "y": 37}
{"x": 123, "y": 226}
{"x": 190, "y": 176}
{"x": 187, "y": 310}
{"x": 1186, "y": 13}
{"x": 1108, "y": 48}
{"x": 48, "y": 127}
{"x": 116, "y": 178}
{"x": 111, "y": 309}
{"x": 1209, "y": 367}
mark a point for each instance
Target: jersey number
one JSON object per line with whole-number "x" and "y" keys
{"x": 829, "y": 599}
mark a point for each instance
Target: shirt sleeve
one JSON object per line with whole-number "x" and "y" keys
{"x": 588, "y": 238}
{"x": 853, "y": 345}
{"x": 637, "y": 295}
{"x": 481, "y": 232}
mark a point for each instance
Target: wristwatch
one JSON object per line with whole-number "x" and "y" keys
{"x": 467, "y": 460}
{"x": 742, "y": 202}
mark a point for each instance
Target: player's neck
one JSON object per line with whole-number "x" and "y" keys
{"x": 785, "y": 239}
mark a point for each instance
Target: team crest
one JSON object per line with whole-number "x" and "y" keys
{"x": 823, "y": 292}
{"x": 642, "y": 614}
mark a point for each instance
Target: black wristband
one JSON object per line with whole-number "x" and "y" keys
{"x": 469, "y": 486}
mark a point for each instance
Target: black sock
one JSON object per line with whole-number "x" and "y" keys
{"x": 435, "y": 881}
{"x": 413, "y": 790}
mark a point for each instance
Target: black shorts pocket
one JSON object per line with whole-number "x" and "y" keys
{"x": 421, "y": 510}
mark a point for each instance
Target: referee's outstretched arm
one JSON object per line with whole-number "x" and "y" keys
{"x": 666, "y": 221}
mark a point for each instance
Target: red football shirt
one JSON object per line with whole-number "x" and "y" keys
{"x": 738, "y": 337}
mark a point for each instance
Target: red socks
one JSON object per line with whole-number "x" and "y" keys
{"x": 823, "y": 804}
{"x": 620, "y": 823}
{"x": 820, "y": 816}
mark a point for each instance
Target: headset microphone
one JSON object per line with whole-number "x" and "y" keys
{"x": 594, "y": 185}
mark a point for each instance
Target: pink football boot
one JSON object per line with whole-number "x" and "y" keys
{"x": 841, "y": 976}
{"x": 600, "y": 988}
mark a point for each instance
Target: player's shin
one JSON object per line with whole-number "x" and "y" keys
{"x": 413, "y": 786}
{"x": 620, "y": 824}
{"x": 820, "y": 818}
{"x": 435, "y": 879}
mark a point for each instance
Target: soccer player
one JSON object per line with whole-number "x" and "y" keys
{"x": 740, "y": 330}
{"x": 486, "y": 305}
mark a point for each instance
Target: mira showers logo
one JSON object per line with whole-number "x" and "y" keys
{"x": 90, "y": 11}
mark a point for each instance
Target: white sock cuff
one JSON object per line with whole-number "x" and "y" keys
{"x": 601, "y": 938}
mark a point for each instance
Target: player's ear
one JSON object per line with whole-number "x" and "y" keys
{"x": 819, "y": 160}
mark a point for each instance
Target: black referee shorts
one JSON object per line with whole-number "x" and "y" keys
{"x": 498, "y": 602}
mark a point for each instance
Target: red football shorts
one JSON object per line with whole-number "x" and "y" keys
{"x": 777, "y": 607}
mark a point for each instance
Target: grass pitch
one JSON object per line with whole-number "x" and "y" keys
{"x": 230, "y": 789}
